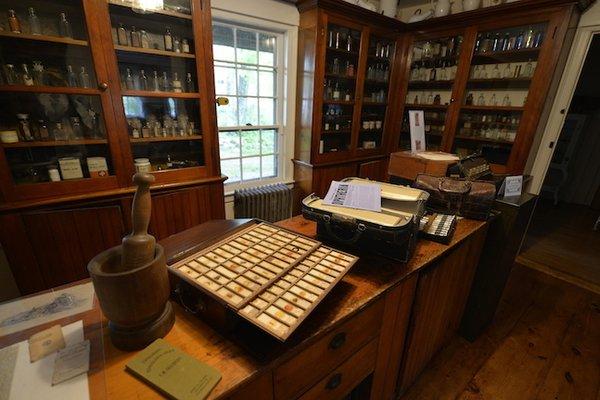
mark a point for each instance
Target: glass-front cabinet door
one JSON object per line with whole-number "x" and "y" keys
{"x": 157, "y": 63}
{"x": 502, "y": 67}
{"x": 340, "y": 86}
{"x": 53, "y": 126}
{"x": 433, "y": 69}
{"x": 380, "y": 56}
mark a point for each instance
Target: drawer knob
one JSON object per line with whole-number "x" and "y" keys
{"x": 338, "y": 341}
{"x": 334, "y": 381}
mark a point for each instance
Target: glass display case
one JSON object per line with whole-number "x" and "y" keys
{"x": 157, "y": 65}
{"x": 433, "y": 68}
{"x": 502, "y": 67}
{"x": 52, "y": 122}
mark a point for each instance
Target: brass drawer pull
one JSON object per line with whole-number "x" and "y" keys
{"x": 334, "y": 381}
{"x": 337, "y": 341}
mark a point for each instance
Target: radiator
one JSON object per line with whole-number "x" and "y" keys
{"x": 270, "y": 202}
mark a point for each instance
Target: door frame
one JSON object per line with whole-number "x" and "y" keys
{"x": 562, "y": 101}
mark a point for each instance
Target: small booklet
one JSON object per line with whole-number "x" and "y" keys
{"x": 173, "y": 372}
{"x": 363, "y": 197}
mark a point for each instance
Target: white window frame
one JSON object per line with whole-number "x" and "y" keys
{"x": 286, "y": 53}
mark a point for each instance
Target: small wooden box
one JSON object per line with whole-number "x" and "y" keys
{"x": 408, "y": 165}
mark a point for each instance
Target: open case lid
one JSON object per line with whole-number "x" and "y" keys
{"x": 399, "y": 205}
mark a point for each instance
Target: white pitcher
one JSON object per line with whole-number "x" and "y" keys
{"x": 441, "y": 8}
{"x": 470, "y": 5}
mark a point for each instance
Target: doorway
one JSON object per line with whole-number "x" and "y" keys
{"x": 563, "y": 239}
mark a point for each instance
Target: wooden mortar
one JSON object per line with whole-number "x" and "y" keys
{"x": 131, "y": 284}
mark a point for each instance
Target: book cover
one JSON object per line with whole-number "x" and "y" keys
{"x": 173, "y": 372}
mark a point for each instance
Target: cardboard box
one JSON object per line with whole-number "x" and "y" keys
{"x": 408, "y": 165}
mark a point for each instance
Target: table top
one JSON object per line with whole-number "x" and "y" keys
{"x": 371, "y": 277}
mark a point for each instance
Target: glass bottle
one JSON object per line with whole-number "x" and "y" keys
{"x": 144, "y": 39}
{"x": 335, "y": 68}
{"x": 528, "y": 39}
{"x": 496, "y": 72}
{"x": 25, "y": 133}
{"x": 496, "y": 42}
{"x": 486, "y": 44}
{"x": 43, "y": 131}
{"x": 537, "y": 40}
{"x": 27, "y": 78}
{"x": 511, "y": 43}
{"x": 13, "y": 22}
{"x": 478, "y": 43}
{"x": 519, "y": 41}
{"x": 505, "y": 42}
{"x": 168, "y": 38}
{"x": 430, "y": 98}
{"x": 185, "y": 46}
{"x": 35, "y": 28}
{"x": 143, "y": 80}
{"x": 136, "y": 40}
{"x": 336, "y": 91}
{"x": 84, "y": 78}
{"x": 129, "y": 82}
{"x": 481, "y": 100}
{"x": 349, "y": 42}
{"x": 507, "y": 71}
{"x": 189, "y": 83}
{"x": 176, "y": 44}
{"x": 71, "y": 77}
{"x": 64, "y": 26}
{"x": 493, "y": 100}
{"x": 76, "y": 128}
{"x": 176, "y": 83}
{"x": 155, "y": 82}
{"x": 122, "y": 35}
{"x": 338, "y": 36}
{"x": 506, "y": 101}
{"x": 528, "y": 69}
{"x": 165, "y": 82}
{"x": 59, "y": 132}
{"x": 38, "y": 73}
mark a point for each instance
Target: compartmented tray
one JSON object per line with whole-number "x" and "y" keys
{"x": 268, "y": 275}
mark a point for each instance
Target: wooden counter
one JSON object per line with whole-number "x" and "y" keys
{"x": 380, "y": 325}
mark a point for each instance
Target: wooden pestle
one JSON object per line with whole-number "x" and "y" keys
{"x": 138, "y": 246}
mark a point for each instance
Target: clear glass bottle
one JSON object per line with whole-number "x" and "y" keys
{"x": 336, "y": 92}
{"x": 59, "y": 132}
{"x": 144, "y": 39}
{"x": 185, "y": 46}
{"x": 176, "y": 44}
{"x": 25, "y": 132}
{"x": 176, "y": 83}
{"x": 38, "y": 73}
{"x": 64, "y": 26}
{"x": 528, "y": 72}
{"x": 13, "y": 22}
{"x": 71, "y": 77}
{"x": 506, "y": 101}
{"x": 84, "y": 78}
{"x": 493, "y": 100}
{"x": 143, "y": 80}
{"x": 136, "y": 40}
{"x": 129, "y": 82}
{"x": 35, "y": 28}
{"x": 507, "y": 71}
{"x": 122, "y": 35}
{"x": 189, "y": 83}
{"x": 26, "y": 77}
{"x": 520, "y": 41}
{"x": 529, "y": 38}
{"x": 155, "y": 82}
{"x": 496, "y": 72}
{"x": 76, "y": 128}
{"x": 335, "y": 67}
{"x": 165, "y": 82}
{"x": 481, "y": 100}
{"x": 43, "y": 131}
{"x": 168, "y": 39}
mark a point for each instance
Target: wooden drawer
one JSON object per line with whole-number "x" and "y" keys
{"x": 318, "y": 360}
{"x": 347, "y": 376}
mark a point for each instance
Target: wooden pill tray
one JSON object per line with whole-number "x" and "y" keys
{"x": 268, "y": 275}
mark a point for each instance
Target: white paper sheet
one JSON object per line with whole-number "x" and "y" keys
{"x": 438, "y": 156}
{"x": 33, "y": 381}
{"x": 363, "y": 197}
{"x": 25, "y": 313}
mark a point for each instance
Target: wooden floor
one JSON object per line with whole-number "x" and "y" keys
{"x": 543, "y": 344}
{"x": 562, "y": 243}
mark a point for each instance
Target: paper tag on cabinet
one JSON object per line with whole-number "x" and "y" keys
{"x": 512, "y": 186}
{"x": 45, "y": 342}
{"x": 416, "y": 120}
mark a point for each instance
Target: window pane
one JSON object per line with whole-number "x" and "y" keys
{"x": 223, "y": 44}
{"x": 250, "y": 168}
{"x": 224, "y": 81}
{"x": 267, "y": 111}
{"x": 250, "y": 143}
{"x": 248, "y": 110}
{"x": 267, "y": 83}
{"x": 246, "y": 47}
{"x": 269, "y": 166}
{"x": 227, "y": 115}
{"x": 247, "y": 82}
{"x": 269, "y": 141}
{"x": 231, "y": 168}
{"x": 229, "y": 144}
{"x": 266, "y": 49}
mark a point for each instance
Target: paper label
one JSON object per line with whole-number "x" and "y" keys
{"x": 45, "y": 342}
{"x": 363, "y": 197}
{"x": 71, "y": 362}
{"x": 513, "y": 185}
{"x": 416, "y": 120}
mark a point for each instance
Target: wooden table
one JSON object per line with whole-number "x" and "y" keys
{"x": 380, "y": 325}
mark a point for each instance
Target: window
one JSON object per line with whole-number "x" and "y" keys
{"x": 248, "y": 71}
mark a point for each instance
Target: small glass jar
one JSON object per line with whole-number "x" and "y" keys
{"x": 25, "y": 132}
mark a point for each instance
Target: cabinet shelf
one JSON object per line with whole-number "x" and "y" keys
{"x": 446, "y": 84}
{"x": 165, "y": 139}
{"x": 340, "y": 102}
{"x": 48, "y": 89}
{"x": 154, "y": 52}
{"x": 482, "y": 139}
{"x": 427, "y": 106}
{"x": 376, "y": 82}
{"x": 499, "y": 83}
{"x": 436, "y": 59}
{"x": 505, "y": 56}
{"x": 374, "y": 103}
{"x": 333, "y": 132}
{"x": 493, "y": 108}
{"x": 55, "y": 143}
{"x": 161, "y": 12}
{"x": 44, "y": 38}
{"x": 147, "y": 93}
{"x": 343, "y": 51}
{"x": 341, "y": 76}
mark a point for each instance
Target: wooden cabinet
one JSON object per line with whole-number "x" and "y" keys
{"x": 488, "y": 94}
